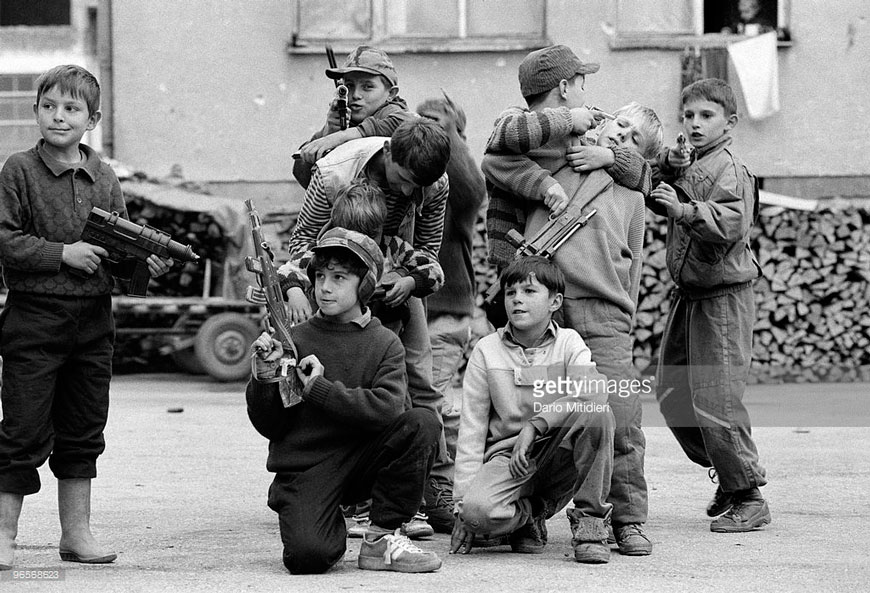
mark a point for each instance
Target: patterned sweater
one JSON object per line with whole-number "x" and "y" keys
{"x": 43, "y": 206}
{"x": 524, "y": 150}
{"x": 362, "y": 390}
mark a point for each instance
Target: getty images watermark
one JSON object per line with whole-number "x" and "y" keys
{"x": 585, "y": 393}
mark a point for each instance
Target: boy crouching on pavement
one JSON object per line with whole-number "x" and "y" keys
{"x": 528, "y": 380}
{"x": 353, "y": 436}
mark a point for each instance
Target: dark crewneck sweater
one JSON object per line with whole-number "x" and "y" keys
{"x": 362, "y": 390}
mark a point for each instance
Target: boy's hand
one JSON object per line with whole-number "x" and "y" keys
{"x": 298, "y": 306}
{"x": 333, "y": 119}
{"x": 588, "y": 158}
{"x": 520, "y": 465}
{"x": 398, "y": 288}
{"x": 320, "y": 147}
{"x": 556, "y": 200}
{"x": 584, "y": 119}
{"x": 266, "y": 350}
{"x": 158, "y": 266}
{"x": 679, "y": 159}
{"x": 462, "y": 538}
{"x": 308, "y": 368}
{"x": 666, "y": 196}
{"x": 83, "y": 256}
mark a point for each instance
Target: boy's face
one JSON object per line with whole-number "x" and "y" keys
{"x": 400, "y": 179}
{"x": 622, "y": 131}
{"x": 63, "y": 119}
{"x": 705, "y": 122}
{"x": 529, "y": 304}
{"x": 335, "y": 290}
{"x": 366, "y": 93}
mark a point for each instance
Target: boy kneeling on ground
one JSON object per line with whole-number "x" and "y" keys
{"x": 354, "y": 436}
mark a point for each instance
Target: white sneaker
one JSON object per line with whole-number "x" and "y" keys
{"x": 360, "y": 525}
{"x": 395, "y": 552}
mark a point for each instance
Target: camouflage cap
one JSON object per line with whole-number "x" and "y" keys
{"x": 364, "y": 247}
{"x": 366, "y": 59}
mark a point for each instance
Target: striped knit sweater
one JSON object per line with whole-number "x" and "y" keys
{"x": 525, "y": 148}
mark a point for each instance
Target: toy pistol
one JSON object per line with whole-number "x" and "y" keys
{"x": 340, "y": 93}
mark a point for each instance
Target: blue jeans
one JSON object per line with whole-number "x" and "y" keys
{"x": 607, "y": 331}
{"x": 703, "y": 366}
{"x": 449, "y": 336}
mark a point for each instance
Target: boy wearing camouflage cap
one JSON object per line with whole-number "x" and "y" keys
{"x": 354, "y": 435}
{"x": 376, "y": 109}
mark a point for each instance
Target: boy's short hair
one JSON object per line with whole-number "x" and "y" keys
{"x": 543, "y": 69}
{"x": 360, "y": 206}
{"x": 711, "y": 89}
{"x": 72, "y": 80}
{"x": 421, "y": 146}
{"x": 648, "y": 125}
{"x": 357, "y": 252}
{"x": 544, "y": 270}
{"x": 446, "y": 106}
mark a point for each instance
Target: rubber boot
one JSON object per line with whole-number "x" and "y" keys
{"x": 10, "y": 511}
{"x": 77, "y": 543}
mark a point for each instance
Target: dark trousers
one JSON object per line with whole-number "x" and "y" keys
{"x": 57, "y": 364}
{"x": 390, "y": 469}
{"x": 704, "y": 363}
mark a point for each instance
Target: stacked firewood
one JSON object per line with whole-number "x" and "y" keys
{"x": 812, "y": 320}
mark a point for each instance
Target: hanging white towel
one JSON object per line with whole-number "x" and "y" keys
{"x": 755, "y": 61}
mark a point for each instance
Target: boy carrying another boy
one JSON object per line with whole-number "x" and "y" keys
{"x": 374, "y": 103}
{"x": 532, "y": 379}
{"x": 56, "y": 329}
{"x": 711, "y": 201}
{"x": 354, "y": 436}
{"x": 602, "y": 262}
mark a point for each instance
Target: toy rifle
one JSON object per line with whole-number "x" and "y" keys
{"x": 340, "y": 93}
{"x": 269, "y": 293}
{"x": 130, "y": 242}
{"x": 545, "y": 243}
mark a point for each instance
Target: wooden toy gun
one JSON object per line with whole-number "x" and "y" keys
{"x": 276, "y": 320}
{"x": 545, "y": 243}
{"x": 130, "y": 242}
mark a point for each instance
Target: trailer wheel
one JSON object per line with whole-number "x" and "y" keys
{"x": 223, "y": 344}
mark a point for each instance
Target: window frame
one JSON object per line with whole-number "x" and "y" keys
{"x": 380, "y": 36}
{"x": 697, "y": 38}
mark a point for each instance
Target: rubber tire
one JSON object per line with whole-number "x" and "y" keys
{"x": 223, "y": 344}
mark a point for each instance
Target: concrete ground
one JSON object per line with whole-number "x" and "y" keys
{"x": 181, "y": 497}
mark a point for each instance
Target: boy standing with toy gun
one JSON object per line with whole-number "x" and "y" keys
{"x": 373, "y": 101}
{"x": 57, "y": 328}
{"x": 130, "y": 244}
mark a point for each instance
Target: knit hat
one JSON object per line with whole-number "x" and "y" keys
{"x": 364, "y": 248}
{"x": 366, "y": 59}
{"x": 543, "y": 69}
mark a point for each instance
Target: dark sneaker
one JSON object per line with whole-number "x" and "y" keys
{"x": 439, "y": 505}
{"x": 483, "y": 541}
{"x": 418, "y": 527}
{"x": 611, "y": 537}
{"x": 589, "y": 538}
{"x": 747, "y": 514}
{"x": 396, "y": 552}
{"x": 721, "y": 503}
{"x": 530, "y": 538}
{"x": 632, "y": 541}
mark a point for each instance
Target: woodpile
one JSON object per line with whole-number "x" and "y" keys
{"x": 812, "y": 317}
